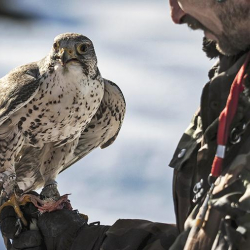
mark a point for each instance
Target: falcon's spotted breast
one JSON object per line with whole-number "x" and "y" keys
{"x": 52, "y": 113}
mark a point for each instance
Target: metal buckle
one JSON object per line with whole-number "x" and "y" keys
{"x": 198, "y": 186}
{"x": 198, "y": 190}
{"x": 235, "y": 135}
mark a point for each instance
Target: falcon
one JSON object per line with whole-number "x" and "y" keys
{"x": 53, "y": 112}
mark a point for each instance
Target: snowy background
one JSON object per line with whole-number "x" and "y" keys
{"x": 161, "y": 70}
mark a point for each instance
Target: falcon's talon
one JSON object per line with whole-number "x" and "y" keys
{"x": 15, "y": 204}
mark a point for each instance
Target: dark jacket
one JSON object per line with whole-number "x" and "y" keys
{"x": 230, "y": 206}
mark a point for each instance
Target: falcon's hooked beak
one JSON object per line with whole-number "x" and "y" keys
{"x": 66, "y": 55}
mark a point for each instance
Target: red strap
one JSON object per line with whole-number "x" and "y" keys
{"x": 226, "y": 118}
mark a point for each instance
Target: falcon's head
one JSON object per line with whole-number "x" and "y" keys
{"x": 74, "y": 49}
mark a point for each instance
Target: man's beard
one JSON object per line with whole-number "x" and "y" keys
{"x": 230, "y": 44}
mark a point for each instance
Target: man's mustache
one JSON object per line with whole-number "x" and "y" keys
{"x": 193, "y": 23}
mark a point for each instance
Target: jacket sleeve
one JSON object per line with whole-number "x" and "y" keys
{"x": 184, "y": 163}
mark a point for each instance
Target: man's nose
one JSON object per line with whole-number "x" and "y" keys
{"x": 176, "y": 12}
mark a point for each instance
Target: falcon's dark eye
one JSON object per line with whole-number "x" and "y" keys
{"x": 56, "y": 46}
{"x": 82, "y": 48}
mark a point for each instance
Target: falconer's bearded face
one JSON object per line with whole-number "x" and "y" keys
{"x": 226, "y": 22}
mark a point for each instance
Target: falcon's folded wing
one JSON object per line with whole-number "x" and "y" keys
{"x": 17, "y": 88}
{"x": 104, "y": 126}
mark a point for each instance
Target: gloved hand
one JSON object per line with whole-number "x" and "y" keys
{"x": 55, "y": 230}
{"x": 22, "y": 237}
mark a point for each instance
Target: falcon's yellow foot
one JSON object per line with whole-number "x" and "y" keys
{"x": 15, "y": 203}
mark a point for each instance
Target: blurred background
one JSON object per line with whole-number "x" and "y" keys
{"x": 161, "y": 70}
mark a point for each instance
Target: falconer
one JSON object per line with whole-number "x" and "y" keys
{"x": 212, "y": 160}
